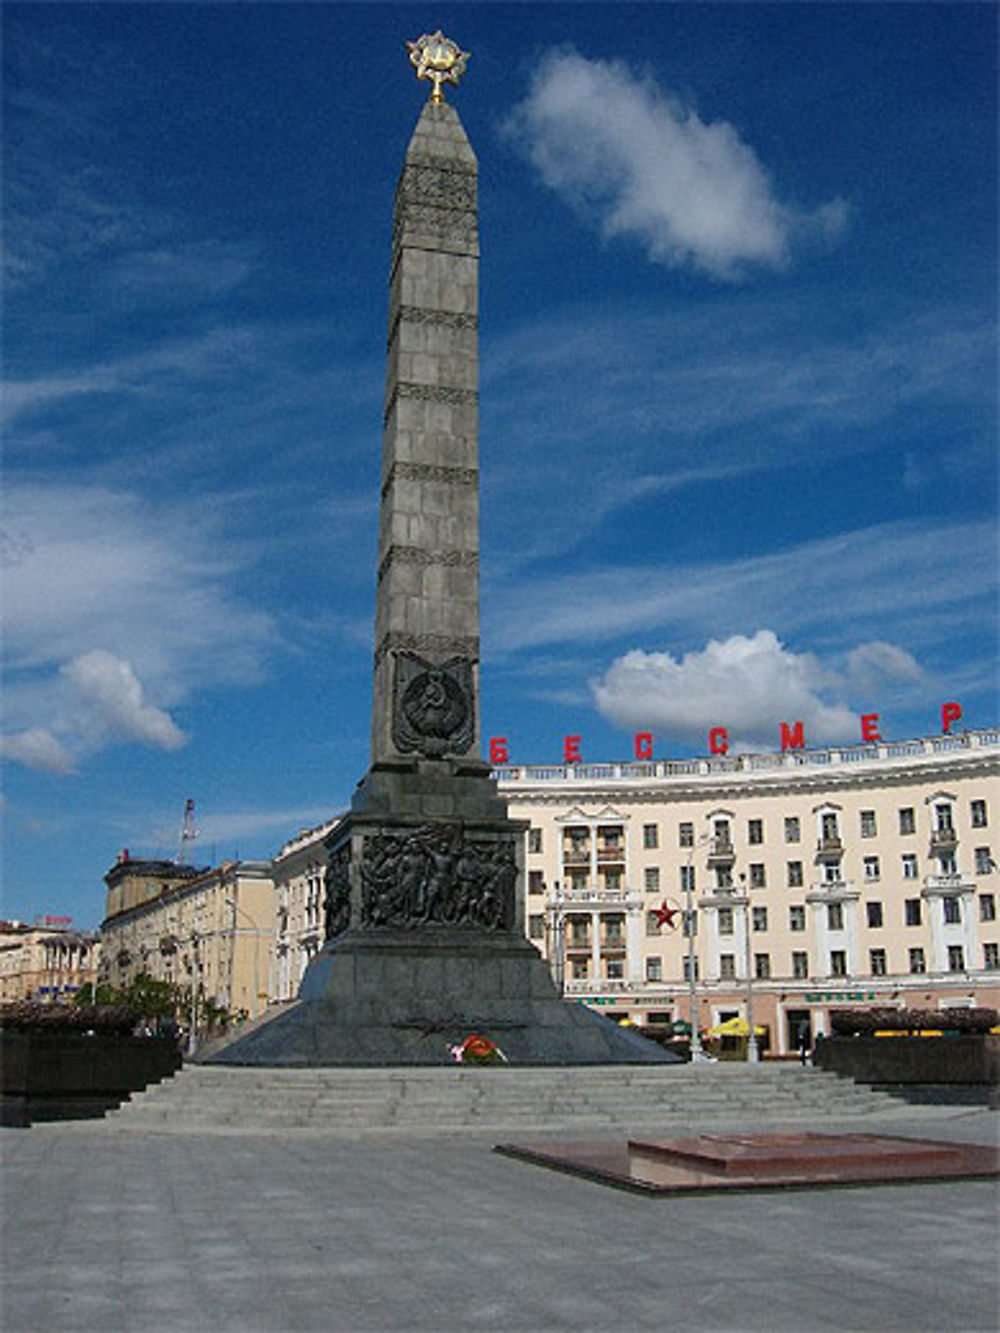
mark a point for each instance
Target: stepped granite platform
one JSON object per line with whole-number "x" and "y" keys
{"x": 495, "y": 1100}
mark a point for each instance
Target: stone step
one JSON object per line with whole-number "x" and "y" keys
{"x": 423, "y": 1100}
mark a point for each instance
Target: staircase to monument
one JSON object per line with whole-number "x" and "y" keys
{"x": 580, "y": 1100}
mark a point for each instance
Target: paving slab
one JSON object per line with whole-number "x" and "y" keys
{"x": 275, "y": 1233}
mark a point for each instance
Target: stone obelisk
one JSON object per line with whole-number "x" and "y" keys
{"x": 425, "y": 943}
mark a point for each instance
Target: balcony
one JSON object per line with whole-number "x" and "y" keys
{"x": 943, "y": 885}
{"x": 721, "y": 852}
{"x": 943, "y": 840}
{"x": 615, "y": 854}
{"x": 830, "y": 848}
{"x": 832, "y": 891}
{"x": 576, "y": 856}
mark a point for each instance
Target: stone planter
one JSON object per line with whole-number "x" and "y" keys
{"x": 960, "y": 1068}
{"x": 70, "y": 1076}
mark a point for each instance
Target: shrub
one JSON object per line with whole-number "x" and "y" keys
{"x": 29, "y": 1016}
{"x": 866, "y": 1022}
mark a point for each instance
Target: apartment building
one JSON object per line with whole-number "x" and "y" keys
{"x": 791, "y": 883}
{"x": 177, "y": 923}
{"x": 46, "y": 960}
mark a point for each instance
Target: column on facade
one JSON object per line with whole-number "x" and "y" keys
{"x": 595, "y": 943}
{"x": 633, "y": 943}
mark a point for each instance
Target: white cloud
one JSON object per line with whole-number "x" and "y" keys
{"x": 872, "y": 664}
{"x": 117, "y": 608}
{"x": 37, "y": 748}
{"x": 112, "y": 705}
{"x": 750, "y": 685}
{"x": 692, "y": 192}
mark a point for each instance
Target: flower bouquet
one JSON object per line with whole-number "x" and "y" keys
{"x": 476, "y": 1050}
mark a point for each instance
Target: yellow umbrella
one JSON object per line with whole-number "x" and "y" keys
{"x": 736, "y": 1027}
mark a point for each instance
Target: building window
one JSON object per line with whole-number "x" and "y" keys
{"x": 796, "y": 917}
{"x": 984, "y": 861}
{"x": 760, "y": 918}
{"x": 943, "y": 821}
{"x": 876, "y": 962}
{"x": 723, "y": 877}
{"x": 725, "y": 920}
{"x": 800, "y": 964}
{"x": 869, "y": 825}
{"x": 615, "y": 969}
{"x": 613, "y": 881}
{"x": 952, "y": 911}
{"x": 685, "y": 835}
{"x": 874, "y": 915}
{"x": 987, "y": 907}
{"x": 651, "y": 877}
{"x": 908, "y": 820}
{"x": 652, "y": 924}
{"x": 829, "y": 827}
{"x": 536, "y": 882}
{"x": 650, "y": 836}
{"x": 611, "y": 838}
{"x": 795, "y": 877}
{"x": 727, "y": 966}
{"x": 835, "y": 916}
{"x": 872, "y": 867}
{"x": 534, "y": 840}
{"x": 991, "y": 957}
{"x": 536, "y": 927}
{"x": 831, "y": 872}
{"x": 956, "y": 958}
{"x": 909, "y": 865}
{"x": 755, "y": 831}
{"x": 686, "y": 968}
{"x": 758, "y": 876}
{"x": 912, "y": 913}
{"x": 762, "y": 966}
{"x": 580, "y": 968}
{"x": 918, "y": 964}
{"x": 687, "y": 879}
{"x": 654, "y": 969}
{"x": 977, "y": 810}
{"x": 947, "y": 865}
{"x": 579, "y": 932}
{"x": 838, "y": 963}
{"x": 793, "y": 830}
{"x": 690, "y": 924}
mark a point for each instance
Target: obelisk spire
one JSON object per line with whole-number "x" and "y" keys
{"x": 427, "y": 605}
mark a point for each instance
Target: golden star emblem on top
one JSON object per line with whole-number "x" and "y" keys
{"x": 438, "y": 58}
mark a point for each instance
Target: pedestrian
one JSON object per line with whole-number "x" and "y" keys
{"x": 804, "y": 1044}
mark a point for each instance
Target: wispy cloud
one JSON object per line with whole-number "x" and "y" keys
{"x": 912, "y": 584}
{"x": 647, "y": 166}
{"x": 116, "y": 609}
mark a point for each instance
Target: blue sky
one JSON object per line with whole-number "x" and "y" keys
{"x": 738, "y": 422}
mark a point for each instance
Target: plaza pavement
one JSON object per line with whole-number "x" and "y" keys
{"x": 298, "y": 1231}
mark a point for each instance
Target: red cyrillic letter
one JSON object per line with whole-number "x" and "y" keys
{"x": 718, "y": 740}
{"x": 869, "y": 727}
{"x": 498, "y": 750}
{"x": 792, "y": 737}
{"x": 950, "y": 713}
{"x": 643, "y": 745}
{"x": 571, "y": 749}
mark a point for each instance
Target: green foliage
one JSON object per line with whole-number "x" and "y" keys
{"x": 865, "y": 1022}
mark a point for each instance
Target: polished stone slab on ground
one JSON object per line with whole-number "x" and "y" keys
{"x": 734, "y": 1161}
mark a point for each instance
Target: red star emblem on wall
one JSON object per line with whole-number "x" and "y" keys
{"x": 665, "y": 915}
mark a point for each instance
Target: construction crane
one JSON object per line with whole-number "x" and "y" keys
{"x": 189, "y": 834}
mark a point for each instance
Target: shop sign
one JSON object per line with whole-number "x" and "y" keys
{"x": 837, "y": 997}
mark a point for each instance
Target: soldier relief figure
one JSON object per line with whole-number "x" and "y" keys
{"x": 435, "y": 875}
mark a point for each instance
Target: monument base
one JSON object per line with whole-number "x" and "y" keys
{"x": 376, "y": 998}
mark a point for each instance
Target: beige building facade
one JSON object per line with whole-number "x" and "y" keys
{"x": 176, "y": 923}
{"x": 815, "y": 879}
{"x": 298, "y": 870}
{"x": 48, "y": 962}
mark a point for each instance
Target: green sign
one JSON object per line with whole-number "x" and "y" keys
{"x": 819, "y": 997}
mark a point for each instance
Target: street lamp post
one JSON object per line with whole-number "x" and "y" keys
{"x": 557, "y": 941}
{"x": 696, "y": 1050}
{"x": 753, "y": 1051}
{"x": 192, "y": 1041}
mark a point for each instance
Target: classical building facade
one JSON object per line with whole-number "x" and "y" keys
{"x": 47, "y": 961}
{"x": 175, "y": 922}
{"x": 859, "y": 875}
{"x": 298, "y": 871}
